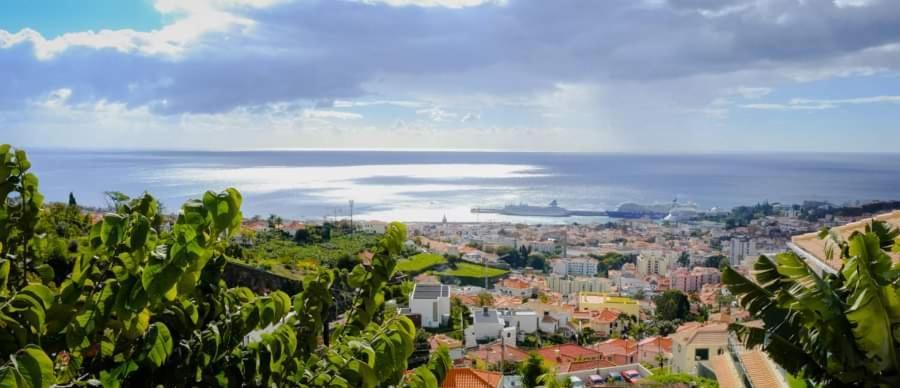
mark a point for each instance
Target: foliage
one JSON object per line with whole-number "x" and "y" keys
{"x": 715, "y": 261}
{"x": 485, "y": 299}
{"x": 665, "y": 377}
{"x": 839, "y": 329}
{"x": 516, "y": 258}
{"x": 672, "y": 305}
{"x": 612, "y": 261}
{"x": 470, "y": 270}
{"x": 531, "y": 370}
{"x": 549, "y": 379}
{"x": 277, "y": 248}
{"x": 140, "y": 307}
{"x": 684, "y": 259}
{"x": 420, "y": 262}
{"x": 460, "y": 315}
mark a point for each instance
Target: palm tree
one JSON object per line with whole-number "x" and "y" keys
{"x": 549, "y": 379}
{"x": 838, "y": 329}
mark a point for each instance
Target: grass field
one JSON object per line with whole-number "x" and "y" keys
{"x": 467, "y": 270}
{"x": 420, "y": 262}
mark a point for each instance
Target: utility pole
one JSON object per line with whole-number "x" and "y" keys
{"x": 351, "y": 219}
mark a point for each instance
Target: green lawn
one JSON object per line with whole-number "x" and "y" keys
{"x": 420, "y": 262}
{"x": 467, "y": 270}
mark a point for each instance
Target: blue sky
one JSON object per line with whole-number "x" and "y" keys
{"x": 566, "y": 75}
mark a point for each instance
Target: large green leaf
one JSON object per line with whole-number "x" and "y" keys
{"x": 34, "y": 367}
{"x": 157, "y": 344}
{"x": 871, "y": 305}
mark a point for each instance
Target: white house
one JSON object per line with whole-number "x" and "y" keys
{"x": 525, "y": 321}
{"x": 432, "y": 303}
{"x": 487, "y": 324}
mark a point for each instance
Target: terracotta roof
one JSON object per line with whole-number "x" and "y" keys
{"x": 812, "y": 244}
{"x": 726, "y": 373}
{"x": 759, "y": 369}
{"x": 491, "y": 353}
{"x": 567, "y": 352}
{"x": 440, "y": 339}
{"x": 577, "y": 366}
{"x": 515, "y": 283}
{"x": 623, "y": 347}
{"x": 657, "y": 343}
{"x": 471, "y": 378}
{"x": 707, "y": 334}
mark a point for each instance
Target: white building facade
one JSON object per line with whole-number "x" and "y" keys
{"x": 432, "y": 303}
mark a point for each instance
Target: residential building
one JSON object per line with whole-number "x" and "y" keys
{"x": 548, "y": 323}
{"x": 652, "y": 350}
{"x": 738, "y": 248}
{"x": 578, "y": 266}
{"x": 698, "y": 343}
{"x": 455, "y": 346}
{"x": 567, "y": 285}
{"x": 692, "y": 281}
{"x": 814, "y": 250}
{"x": 525, "y": 321}
{"x": 598, "y": 301}
{"x": 561, "y": 355}
{"x": 495, "y": 352}
{"x": 472, "y": 378}
{"x": 515, "y": 287}
{"x": 432, "y": 303}
{"x": 618, "y": 351}
{"x": 603, "y": 322}
{"x": 488, "y": 325}
{"x": 654, "y": 263}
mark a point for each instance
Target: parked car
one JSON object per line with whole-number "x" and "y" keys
{"x": 597, "y": 380}
{"x": 615, "y": 376}
{"x": 631, "y": 376}
{"x": 576, "y": 382}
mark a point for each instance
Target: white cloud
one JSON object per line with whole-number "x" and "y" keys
{"x": 330, "y": 114}
{"x": 435, "y": 3}
{"x": 752, "y": 93}
{"x": 820, "y": 104}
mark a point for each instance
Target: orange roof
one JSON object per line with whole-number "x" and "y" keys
{"x": 657, "y": 343}
{"x": 515, "y": 283}
{"x": 617, "y": 347}
{"x": 567, "y": 352}
{"x": 577, "y": 366}
{"x": 471, "y": 378}
{"x": 492, "y": 353}
{"x": 812, "y": 244}
{"x": 440, "y": 339}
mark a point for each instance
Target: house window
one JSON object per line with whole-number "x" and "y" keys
{"x": 720, "y": 351}
{"x": 701, "y": 354}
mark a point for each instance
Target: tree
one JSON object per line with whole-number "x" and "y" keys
{"x": 832, "y": 329}
{"x": 684, "y": 259}
{"x": 715, "y": 261}
{"x": 140, "y": 307}
{"x": 531, "y": 370}
{"x": 485, "y": 299}
{"x": 72, "y": 201}
{"x": 672, "y": 305}
{"x": 549, "y": 379}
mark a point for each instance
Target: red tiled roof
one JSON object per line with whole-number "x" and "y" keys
{"x": 515, "y": 283}
{"x": 623, "y": 347}
{"x": 567, "y": 352}
{"x": 491, "y": 353}
{"x": 471, "y": 378}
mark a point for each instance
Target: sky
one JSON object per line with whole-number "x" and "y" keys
{"x": 523, "y": 75}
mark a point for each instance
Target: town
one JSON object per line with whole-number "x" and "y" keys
{"x": 628, "y": 301}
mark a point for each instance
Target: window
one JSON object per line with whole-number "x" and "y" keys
{"x": 701, "y": 354}
{"x": 720, "y": 351}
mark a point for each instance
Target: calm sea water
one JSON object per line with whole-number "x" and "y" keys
{"x": 425, "y": 186}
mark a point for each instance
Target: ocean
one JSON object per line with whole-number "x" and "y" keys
{"x": 426, "y": 185}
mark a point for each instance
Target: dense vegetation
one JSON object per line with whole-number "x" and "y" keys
{"x": 743, "y": 215}
{"x": 840, "y": 329}
{"x": 131, "y": 302}
{"x": 420, "y": 262}
{"x": 612, "y": 261}
{"x": 469, "y": 270}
